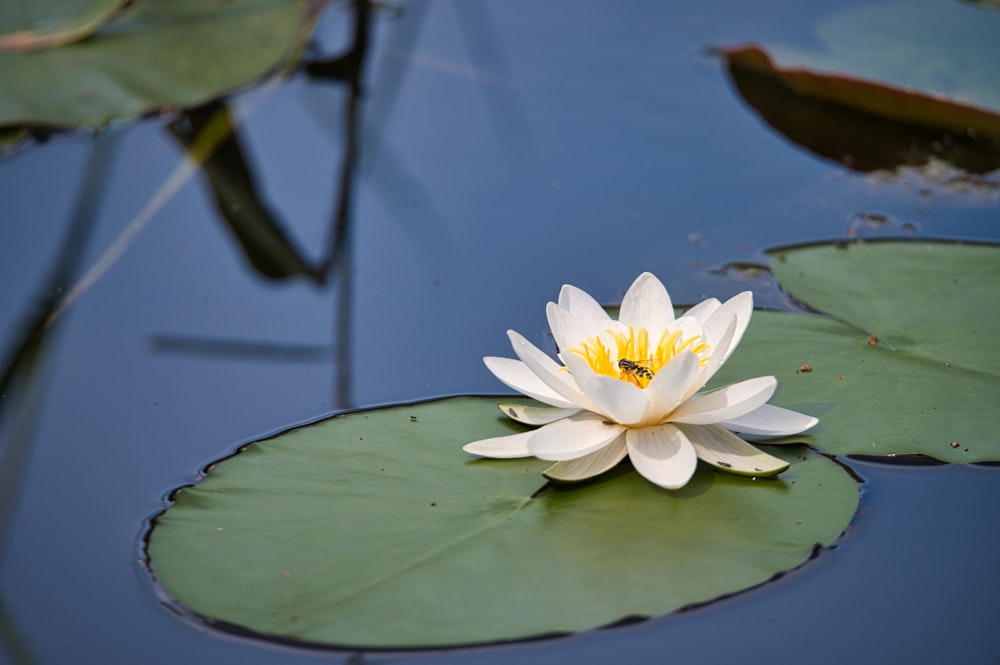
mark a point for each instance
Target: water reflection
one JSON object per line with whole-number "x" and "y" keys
{"x": 257, "y": 229}
{"x": 254, "y": 225}
{"x": 24, "y": 371}
{"x": 639, "y": 143}
{"x": 239, "y": 349}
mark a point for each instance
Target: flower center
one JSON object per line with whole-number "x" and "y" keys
{"x": 632, "y": 358}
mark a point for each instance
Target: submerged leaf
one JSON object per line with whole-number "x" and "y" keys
{"x": 373, "y": 529}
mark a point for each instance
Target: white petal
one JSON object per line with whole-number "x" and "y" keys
{"x": 573, "y": 437}
{"x": 671, "y": 385}
{"x": 647, "y": 304}
{"x": 689, "y": 327}
{"x": 534, "y": 415}
{"x": 739, "y": 307}
{"x": 733, "y": 401}
{"x": 725, "y": 450}
{"x": 769, "y": 420}
{"x": 583, "y": 307}
{"x": 515, "y": 374}
{"x": 501, "y": 447}
{"x": 566, "y": 329}
{"x": 715, "y": 361}
{"x": 548, "y": 370}
{"x": 619, "y": 401}
{"x": 703, "y": 310}
{"x": 590, "y": 465}
{"x": 662, "y": 454}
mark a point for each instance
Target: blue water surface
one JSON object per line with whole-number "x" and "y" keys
{"x": 507, "y": 148}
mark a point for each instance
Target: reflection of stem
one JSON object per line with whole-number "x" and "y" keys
{"x": 339, "y": 256}
{"x": 66, "y": 264}
{"x": 198, "y": 152}
{"x": 22, "y": 382}
{"x": 80, "y": 225}
{"x": 11, "y": 637}
{"x": 407, "y": 201}
{"x": 258, "y": 231}
{"x": 485, "y": 48}
{"x": 389, "y": 76}
{"x": 239, "y": 349}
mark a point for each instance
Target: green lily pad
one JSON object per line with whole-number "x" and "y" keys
{"x": 26, "y": 26}
{"x": 909, "y": 361}
{"x": 373, "y": 529}
{"x": 151, "y": 55}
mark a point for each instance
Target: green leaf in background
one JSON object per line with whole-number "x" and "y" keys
{"x": 910, "y": 361}
{"x": 154, "y": 54}
{"x": 40, "y": 24}
{"x": 374, "y": 529}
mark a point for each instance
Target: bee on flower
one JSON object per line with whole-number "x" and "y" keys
{"x": 630, "y": 387}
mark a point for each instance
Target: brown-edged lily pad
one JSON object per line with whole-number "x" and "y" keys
{"x": 864, "y": 124}
{"x": 887, "y": 84}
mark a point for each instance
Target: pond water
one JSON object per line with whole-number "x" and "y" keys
{"x": 507, "y": 148}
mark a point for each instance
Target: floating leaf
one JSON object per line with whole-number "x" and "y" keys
{"x": 40, "y": 24}
{"x": 909, "y": 363}
{"x": 373, "y": 529}
{"x": 157, "y": 53}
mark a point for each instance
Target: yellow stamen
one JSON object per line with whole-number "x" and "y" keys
{"x": 632, "y": 358}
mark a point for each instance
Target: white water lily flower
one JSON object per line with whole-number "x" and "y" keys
{"x": 630, "y": 387}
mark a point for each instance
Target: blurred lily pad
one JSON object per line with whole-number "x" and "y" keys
{"x": 150, "y": 55}
{"x": 907, "y": 360}
{"x": 40, "y": 24}
{"x": 892, "y": 84}
{"x": 373, "y": 529}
